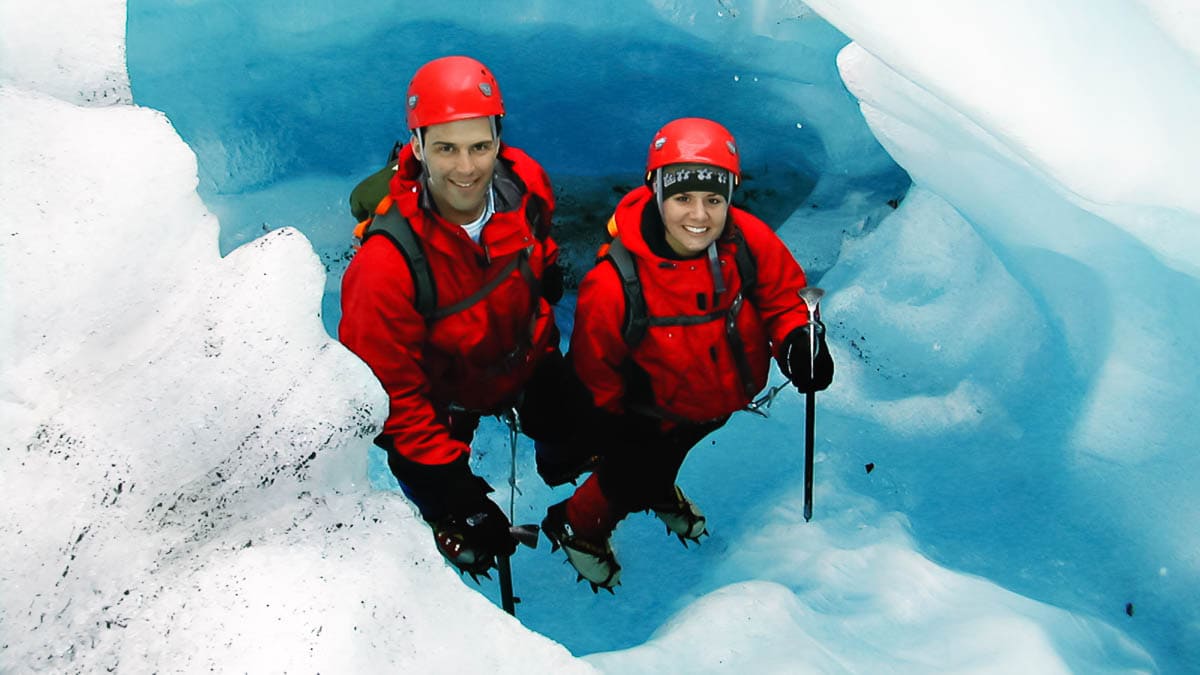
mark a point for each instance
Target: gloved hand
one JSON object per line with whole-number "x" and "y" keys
{"x": 473, "y": 539}
{"x": 469, "y": 528}
{"x": 552, "y": 283}
{"x": 793, "y": 359}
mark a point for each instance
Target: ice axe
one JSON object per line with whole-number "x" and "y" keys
{"x": 811, "y": 295}
{"x": 523, "y": 534}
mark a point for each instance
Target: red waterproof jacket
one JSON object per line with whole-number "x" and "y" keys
{"x": 692, "y": 369}
{"x": 478, "y": 358}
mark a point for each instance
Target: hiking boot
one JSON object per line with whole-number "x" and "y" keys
{"x": 593, "y": 561}
{"x": 683, "y": 518}
{"x": 558, "y": 465}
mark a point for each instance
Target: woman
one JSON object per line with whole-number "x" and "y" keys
{"x": 674, "y": 333}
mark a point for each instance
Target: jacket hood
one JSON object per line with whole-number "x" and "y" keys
{"x": 628, "y": 216}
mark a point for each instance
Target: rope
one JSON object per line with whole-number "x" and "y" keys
{"x": 762, "y": 405}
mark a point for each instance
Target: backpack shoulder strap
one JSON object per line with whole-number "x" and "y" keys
{"x": 397, "y": 228}
{"x": 747, "y": 266}
{"x": 635, "y": 300}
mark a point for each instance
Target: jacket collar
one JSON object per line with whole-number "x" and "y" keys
{"x": 506, "y": 232}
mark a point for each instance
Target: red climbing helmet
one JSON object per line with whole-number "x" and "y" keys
{"x": 449, "y": 89}
{"x": 693, "y": 140}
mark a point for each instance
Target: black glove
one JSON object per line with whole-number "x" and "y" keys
{"x": 472, "y": 540}
{"x": 552, "y": 283}
{"x": 469, "y": 528}
{"x": 793, "y": 360}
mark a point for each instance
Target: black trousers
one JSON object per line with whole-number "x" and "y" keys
{"x": 643, "y": 471}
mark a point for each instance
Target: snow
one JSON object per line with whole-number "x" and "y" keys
{"x": 1004, "y": 463}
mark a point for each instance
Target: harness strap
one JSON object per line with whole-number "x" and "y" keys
{"x": 396, "y": 227}
{"x": 738, "y": 347}
{"x": 516, "y": 357}
{"x": 687, "y": 319}
{"x": 637, "y": 319}
{"x": 520, "y": 260}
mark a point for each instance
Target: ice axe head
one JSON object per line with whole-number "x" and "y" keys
{"x": 525, "y": 534}
{"x": 811, "y": 295}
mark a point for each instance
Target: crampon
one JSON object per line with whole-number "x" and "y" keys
{"x": 595, "y": 562}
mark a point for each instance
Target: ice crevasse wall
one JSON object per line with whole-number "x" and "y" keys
{"x": 1067, "y": 140}
{"x": 1065, "y": 135}
{"x": 190, "y": 472}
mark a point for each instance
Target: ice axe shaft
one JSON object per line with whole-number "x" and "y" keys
{"x": 506, "y": 592}
{"x": 523, "y": 534}
{"x": 810, "y": 407}
{"x": 811, "y": 295}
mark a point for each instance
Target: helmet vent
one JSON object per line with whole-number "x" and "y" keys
{"x": 732, "y": 147}
{"x": 660, "y": 142}
{"x": 412, "y": 101}
{"x": 485, "y": 88}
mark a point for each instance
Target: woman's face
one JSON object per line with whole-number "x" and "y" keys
{"x": 694, "y": 220}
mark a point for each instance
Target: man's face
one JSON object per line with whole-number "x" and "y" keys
{"x": 460, "y": 158}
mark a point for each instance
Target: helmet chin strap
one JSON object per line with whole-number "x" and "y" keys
{"x": 658, "y": 193}
{"x": 421, "y": 148}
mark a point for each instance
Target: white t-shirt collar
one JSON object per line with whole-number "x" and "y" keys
{"x": 475, "y": 227}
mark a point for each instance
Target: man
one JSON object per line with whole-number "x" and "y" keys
{"x": 456, "y": 323}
